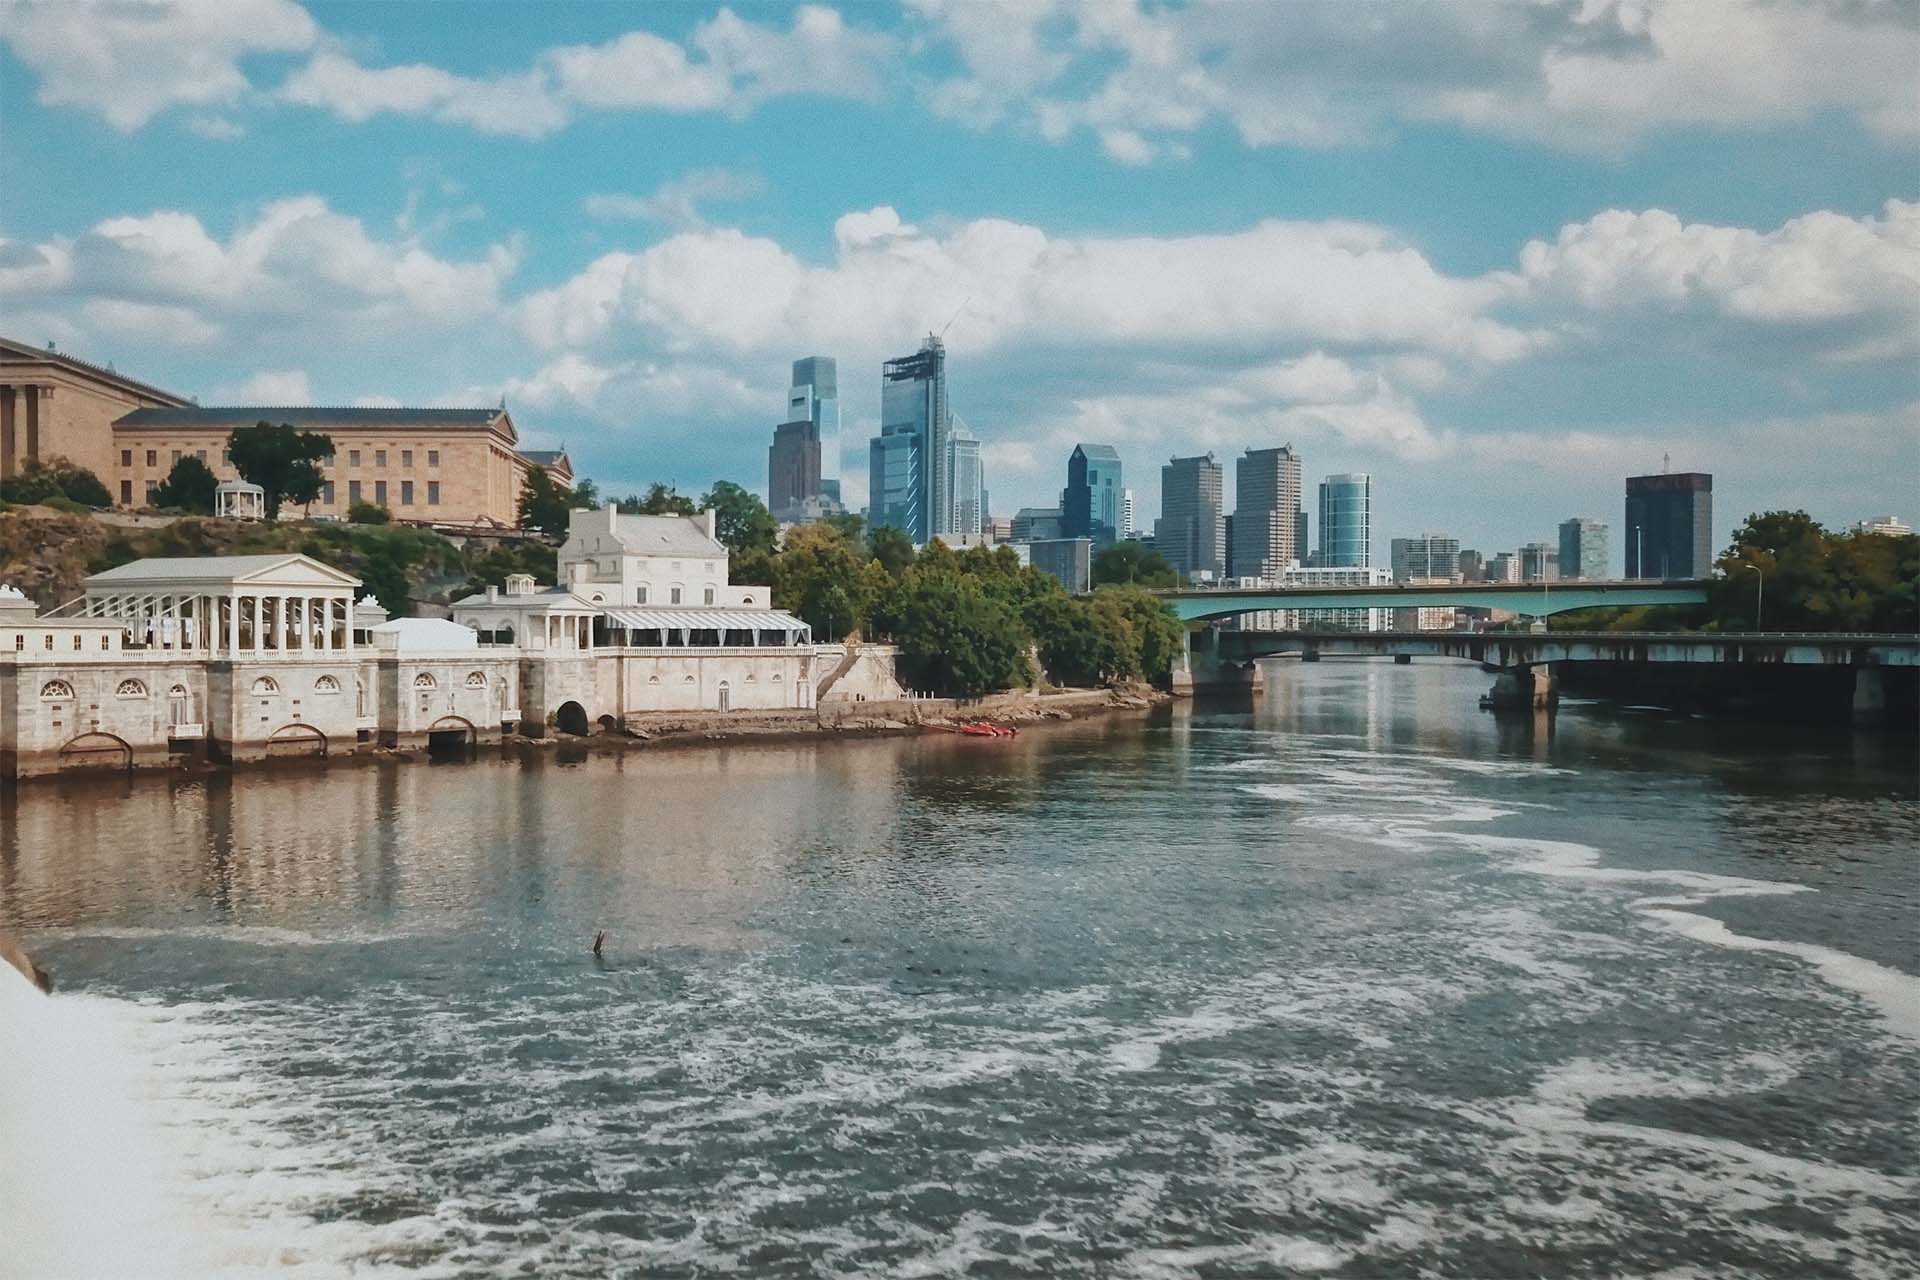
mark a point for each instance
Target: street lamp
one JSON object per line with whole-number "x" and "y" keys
{"x": 1759, "y": 592}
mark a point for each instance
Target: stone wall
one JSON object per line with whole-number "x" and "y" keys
{"x": 858, "y": 673}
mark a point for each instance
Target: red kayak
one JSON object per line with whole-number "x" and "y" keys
{"x": 984, "y": 730}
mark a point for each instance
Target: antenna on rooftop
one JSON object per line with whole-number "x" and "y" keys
{"x": 1666, "y": 463}
{"x": 956, "y": 315}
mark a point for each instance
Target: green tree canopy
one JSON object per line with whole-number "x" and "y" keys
{"x": 1129, "y": 563}
{"x": 1155, "y": 636}
{"x": 55, "y": 478}
{"x": 660, "y": 500}
{"x": 741, "y": 521}
{"x": 892, "y": 548}
{"x": 546, "y": 505}
{"x": 1784, "y": 572}
{"x": 821, "y": 578}
{"x": 188, "y": 487}
{"x": 953, "y": 638}
{"x": 285, "y": 463}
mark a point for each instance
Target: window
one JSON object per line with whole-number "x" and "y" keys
{"x": 709, "y": 595}
{"x": 640, "y": 594}
{"x": 265, "y": 685}
{"x": 19, "y": 643}
{"x": 653, "y": 679}
{"x": 49, "y": 640}
{"x": 406, "y": 493}
{"x": 379, "y": 457}
{"x": 130, "y": 689}
{"x": 475, "y": 680}
{"x": 78, "y": 641}
{"x": 326, "y": 684}
{"x": 153, "y": 458}
{"x": 126, "y": 493}
{"x": 126, "y": 457}
{"x": 106, "y": 643}
{"x": 406, "y": 457}
{"x": 226, "y": 457}
{"x": 423, "y": 681}
{"x": 433, "y": 457}
{"x": 353, "y": 492}
{"x": 200, "y": 454}
{"x": 673, "y": 596}
{"x": 56, "y": 691}
{"x": 176, "y": 457}
{"x": 153, "y": 493}
{"x": 380, "y": 492}
{"x": 433, "y": 493}
{"x": 353, "y": 457}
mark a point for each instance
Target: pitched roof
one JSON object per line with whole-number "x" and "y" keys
{"x": 308, "y": 416}
{"x": 544, "y": 457}
{"x": 16, "y": 352}
{"x": 166, "y": 569}
{"x": 666, "y": 535}
{"x": 1103, "y": 452}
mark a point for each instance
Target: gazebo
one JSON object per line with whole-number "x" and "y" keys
{"x": 239, "y": 500}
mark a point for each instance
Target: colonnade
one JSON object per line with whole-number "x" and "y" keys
{"x": 240, "y": 624}
{"x": 21, "y": 411}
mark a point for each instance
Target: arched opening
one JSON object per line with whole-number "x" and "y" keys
{"x": 179, "y": 705}
{"x": 609, "y": 724}
{"x": 571, "y": 718}
{"x": 96, "y": 751}
{"x": 726, "y": 696}
{"x": 295, "y": 741}
{"x": 450, "y": 738}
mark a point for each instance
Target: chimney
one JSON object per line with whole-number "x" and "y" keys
{"x": 712, "y": 528}
{"x": 493, "y": 593}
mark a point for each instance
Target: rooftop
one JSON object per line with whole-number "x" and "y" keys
{"x": 15, "y": 352}
{"x": 284, "y": 568}
{"x": 305, "y": 416}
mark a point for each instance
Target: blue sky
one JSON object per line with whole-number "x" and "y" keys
{"x": 1498, "y": 254}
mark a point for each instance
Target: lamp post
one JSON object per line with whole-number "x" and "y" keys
{"x": 1759, "y": 592}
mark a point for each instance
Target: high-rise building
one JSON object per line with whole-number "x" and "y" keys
{"x": 1325, "y": 619}
{"x": 969, "y": 494}
{"x": 1889, "y": 526}
{"x": 1068, "y": 559}
{"x": 1034, "y": 524}
{"x": 814, "y": 396}
{"x": 1090, "y": 505}
{"x": 1266, "y": 490}
{"x": 1473, "y": 566}
{"x": 1128, "y": 529}
{"x": 793, "y": 468}
{"x": 1669, "y": 525}
{"x": 910, "y": 464}
{"x": 1539, "y": 562}
{"x": 1346, "y": 521}
{"x": 1504, "y": 567}
{"x": 1191, "y": 531}
{"x": 1431, "y": 555}
{"x": 1583, "y": 548}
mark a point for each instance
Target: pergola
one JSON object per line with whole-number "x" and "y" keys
{"x": 230, "y": 606}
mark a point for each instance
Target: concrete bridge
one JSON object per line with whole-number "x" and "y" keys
{"x": 1225, "y": 660}
{"x": 1537, "y": 599}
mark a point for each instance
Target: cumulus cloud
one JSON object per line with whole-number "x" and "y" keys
{"x": 128, "y": 62}
{"x": 676, "y": 201}
{"x": 278, "y": 387}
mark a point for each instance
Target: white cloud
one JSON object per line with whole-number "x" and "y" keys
{"x": 127, "y": 62}
{"x": 277, "y": 387}
{"x": 515, "y": 105}
{"x": 676, "y": 202}
{"x": 215, "y": 128}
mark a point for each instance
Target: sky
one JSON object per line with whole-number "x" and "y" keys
{"x": 1499, "y": 255}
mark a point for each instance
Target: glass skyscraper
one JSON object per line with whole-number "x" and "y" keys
{"x": 1346, "y": 521}
{"x": 969, "y": 494}
{"x": 1670, "y": 525}
{"x": 1583, "y": 548}
{"x": 1191, "y": 531}
{"x": 914, "y": 420}
{"x": 1090, "y": 505}
{"x": 815, "y": 397}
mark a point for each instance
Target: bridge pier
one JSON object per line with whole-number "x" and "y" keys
{"x": 1524, "y": 689}
{"x": 1869, "y": 696}
{"x": 1201, "y": 670}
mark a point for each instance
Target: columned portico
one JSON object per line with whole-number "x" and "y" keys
{"x": 226, "y": 606}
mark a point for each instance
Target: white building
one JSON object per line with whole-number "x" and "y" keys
{"x": 614, "y": 559}
{"x": 1891, "y": 526}
{"x": 1324, "y": 619}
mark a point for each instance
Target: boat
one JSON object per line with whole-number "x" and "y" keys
{"x": 985, "y": 730}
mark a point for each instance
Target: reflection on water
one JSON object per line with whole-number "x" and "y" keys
{"x": 1354, "y": 980}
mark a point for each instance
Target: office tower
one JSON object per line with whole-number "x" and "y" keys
{"x": 1669, "y": 526}
{"x": 1539, "y": 562}
{"x": 1226, "y": 543}
{"x": 1191, "y": 531}
{"x": 1068, "y": 559}
{"x": 1583, "y": 548}
{"x": 896, "y": 481}
{"x": 1090, "y": 505}
{"x": 814, "y": 396}
{"x": 1346, "y": 521}
{"x": 969, "y": 496}
{"x": 913, "y": 408}
{"x": 1266, "y": 490}
{"x": 1127, "y": 527}
{"x": 1504, "y": 567}
{"x": 793, "y": 468}
{"x": 1035, "y": 524}
{"x": 1473, "y": 566}
{"x": 1431, "y": 555}
{"x": 1302, "y": 545}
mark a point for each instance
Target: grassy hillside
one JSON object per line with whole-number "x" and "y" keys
{"x": 46, "y": 553}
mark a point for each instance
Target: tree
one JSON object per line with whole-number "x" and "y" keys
{"x": 1075, "y": 648}
{"x": 188, "y": 487}
{"x": 891, "y": 547}
{"x": 285, "y": 463}
{"x": 545, "y": 504}
{"x": 852, "y": 526}
{"x": 821, "y": 578}
{"x": 52, "y": 478}
{"x": 660, "y": 500}
{"x": 954, "y": 640}
{"x": 1126, "y": 563}
{"x": 1156, "y": 635}
{"x": 741, "y": 521}
{"x": 1784, "y": 572}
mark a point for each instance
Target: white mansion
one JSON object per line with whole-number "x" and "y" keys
{"x": 247, "y": 657}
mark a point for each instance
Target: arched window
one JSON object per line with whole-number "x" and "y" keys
{"x": 56, "y": 691}
{"x": 750, "y": 677}
{"x": 326, "y": 684}
{"x": 359, "y": 696}
{"x": 640, "y": 594}
{"x": 653, "y": 679}
{"x": 688, "y": 680}
{"x": 598, "y": 598}
{"x": 475, "y": 680}
{"x": 179, "y": 705}
{"x": 423, "y": 681}
{"x": 265, "y": 685}
{"x": 130, "y": 689}
{"x": 776, "y": 677}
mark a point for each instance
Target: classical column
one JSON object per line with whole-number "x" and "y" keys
{"x": 37, "y": 398}
{"x": 233, "y": 625}
{"x": 6, "y": 431}
{"x": 280, "y": 604}
{"x": 259, "y": 611}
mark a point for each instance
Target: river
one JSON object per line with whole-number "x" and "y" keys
{"x": 1356, "y": 981}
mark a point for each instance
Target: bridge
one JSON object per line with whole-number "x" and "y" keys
{"x": 1538, "y": 599}
{"x": 1524, "y": 660}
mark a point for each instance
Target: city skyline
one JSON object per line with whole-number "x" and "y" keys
{"x": 1706, "y": 256}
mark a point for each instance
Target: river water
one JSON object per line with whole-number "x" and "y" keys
{"x": 1355, "y": 981}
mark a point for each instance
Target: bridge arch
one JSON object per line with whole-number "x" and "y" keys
{"x": 96, "y": 751}
{"x": 1535, "y": 599}
{"x": 296, "y": 741}
{"x": 451, "y": 735}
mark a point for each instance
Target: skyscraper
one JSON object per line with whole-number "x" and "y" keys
{"x": 914, "y": 414}
{"x": 793, "y": 468}
{"x": 1191, "y": 530}
{"x": 1266, "y": 490}
{"x": 1431, "y": 555}
{"x": 1669, "y": 526}
{"x": 1346, "y": 521}
{"x": 1090, "y": 505}
{"x": 1583, "y": 548}
{"x": 1539, "y": 562}
{"x": 969, "y": 496}
{"x": 1127, "y": 527}
{"x": 814, "y": 396}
